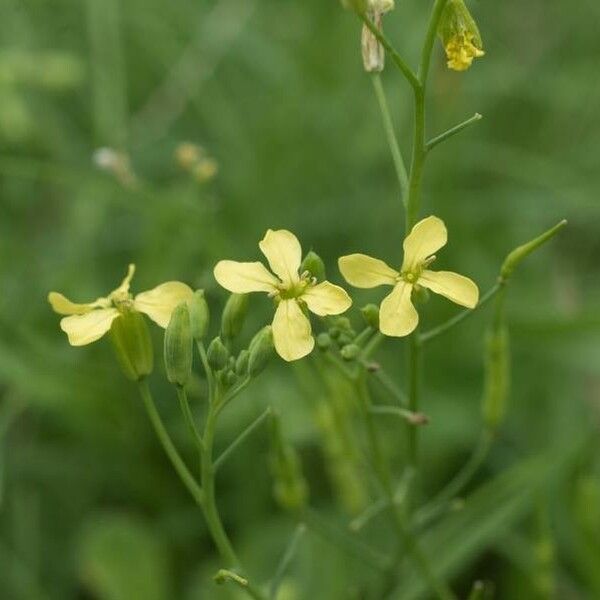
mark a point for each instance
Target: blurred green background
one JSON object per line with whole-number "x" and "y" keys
{"x": 275, "y": 93}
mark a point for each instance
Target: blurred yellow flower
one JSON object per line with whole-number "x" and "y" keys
{"x": 397, "y": 316}
{"x": 460, "y": 51}
{"x": 460, "y": 36}
{"x": 86, "y": 323}
{"x": 292, "y": 291}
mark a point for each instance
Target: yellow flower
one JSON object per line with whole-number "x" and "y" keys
{"x": 86, "y": 323}
{"x": 397, "y": 315}
{"x": 292, "y": 291}
{"x": 460, "y": 36}
{"x": 461, "y": 51}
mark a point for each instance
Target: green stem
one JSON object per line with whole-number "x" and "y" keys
{"x": 209, "y": 505}
{"x": 167, "y": 444}
{"x": 189, "y": 417}
{"x": 398, "y": 60}
{"x": 386, "y": 382}
{"x": 461, "y": 316}
{"x": 417, "y": 164}
{"x": 434, "y": 20}
{"x": 452, "y": 132}
{"x": 405, "y": 537}
{"x": 388, "y": 127}
{"x": 414, "y": 364}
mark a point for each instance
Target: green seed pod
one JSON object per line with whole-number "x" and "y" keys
{"x": 350, "y": 352}
{"x": 313, "y": 264}
{"x": 178, "y": 346}
{"x": 241, "y": 364}
{"x": 497, "y": 376}
{"x": 217, "y": 355}
{"x": 370, "y": 314}
{"x": 289, "y": 485}
{"x": 323, "y": 341}
{"x": 260, "y": 351}
{"x": 234, "y": 315}
{"x": 133, "y": 346}
{"x": 199, "y": 315}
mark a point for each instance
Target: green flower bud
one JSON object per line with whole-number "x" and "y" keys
{"x": 199, "y": 314}
{"x": 350, "y": 352}
{"x": 344, "y": 339}
{"x": 370, "y": 314}
{"x": 230, "y": 378}
{"x": 334, "y": 332}
{"x": 420, "y": 295}
{"x": 313, "y": 264}
{"x": 497, "y": 376}
{"x": 323, "y": 341}
{"x": 241, "y": 364}
{"x": 133, "y": 346}
{"x": 178, "y": 347}
{"x": 217, "y": 355}
{"x": 234, "y": 315}
{"x": 260, "y": 351}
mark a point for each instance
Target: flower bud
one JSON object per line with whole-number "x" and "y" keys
{"x": 323, "y": 341}
{"x": 241, "y": 363}
{"x": 199, "y": 315}
{"x": 234, "y": 315}
{"x": 350, "y": 352}
{"x": 260, "y": 351}
{"x": 178, "y": 347}
{"x": 370, "y": 314}
{"x": 460, "y": 36}
{"x": 497, "y": 376}
{"x": 314, "y": 265}
{"x": 217, "y": 355}
{"x": 133, "y": 346}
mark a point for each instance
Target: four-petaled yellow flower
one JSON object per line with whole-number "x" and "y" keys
{"x": 397, "y": 316}
{"x": 292, "y": 291}
{"x": 461, "y": 50}
{"x": 86, "y": 323}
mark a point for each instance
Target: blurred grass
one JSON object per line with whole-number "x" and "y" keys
{"x": 274, "y": 90}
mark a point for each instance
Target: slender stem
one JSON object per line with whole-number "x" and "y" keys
{"x": 207, "y": 370}
{"x": 398, "y": 60}
{"x": 241, "y": 438}
{"x": 452, "y": 132}
{"x": 405, "y": 537}
{"x": 189, "y": 417}
{"x": 168, "y": 445}
{"x": 386, "y": 381}
{"x": 388, "y": 126}
{"x": 417, "y": 162}
{"x": 225, "y": 575}
{"x": 211, "y": 513}
{"x": 373, "y": 344}
{"x": 434, "y": 20}
{"x": 410, "y": 417}
{"x": 285, "y": 561}
{"x": 461, "y": 316}
{"x": 414, "y": 364}
{"x": 458, "y": 483}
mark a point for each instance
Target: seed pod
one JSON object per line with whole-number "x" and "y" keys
{"x": 199, "y": 315}
{"x": 234, "y": 315}
{"x": 178, "y": 347}
{"x": 497, "y": 376}
{"x": 132, "y": 344}
{"x": 314, "y": 265}
{"x": 217, "y": 355}
{"x": 370, "y": 314}
{"x": 260, "y": 351}
{"x": 289, "y": 485}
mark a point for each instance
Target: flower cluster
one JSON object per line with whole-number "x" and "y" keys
{"x": 295, "y": 291}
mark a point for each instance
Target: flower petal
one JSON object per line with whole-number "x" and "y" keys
{"x": 244, "y": 277}
{"x": 327, "y": 299}
{"x": 161, "y": 301}
{"x": 425, "y": 239}
{"x": 291, "y": 331}
{"x": 282, "y": 250}
{"x": 455, "y": 287}
{"x": 362, "y": 271}
{"x": 124, "y": 287}
{"x": 397, "y": 315}
{"x": 63, "y": 306}
{"x": 87, "y": 328}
